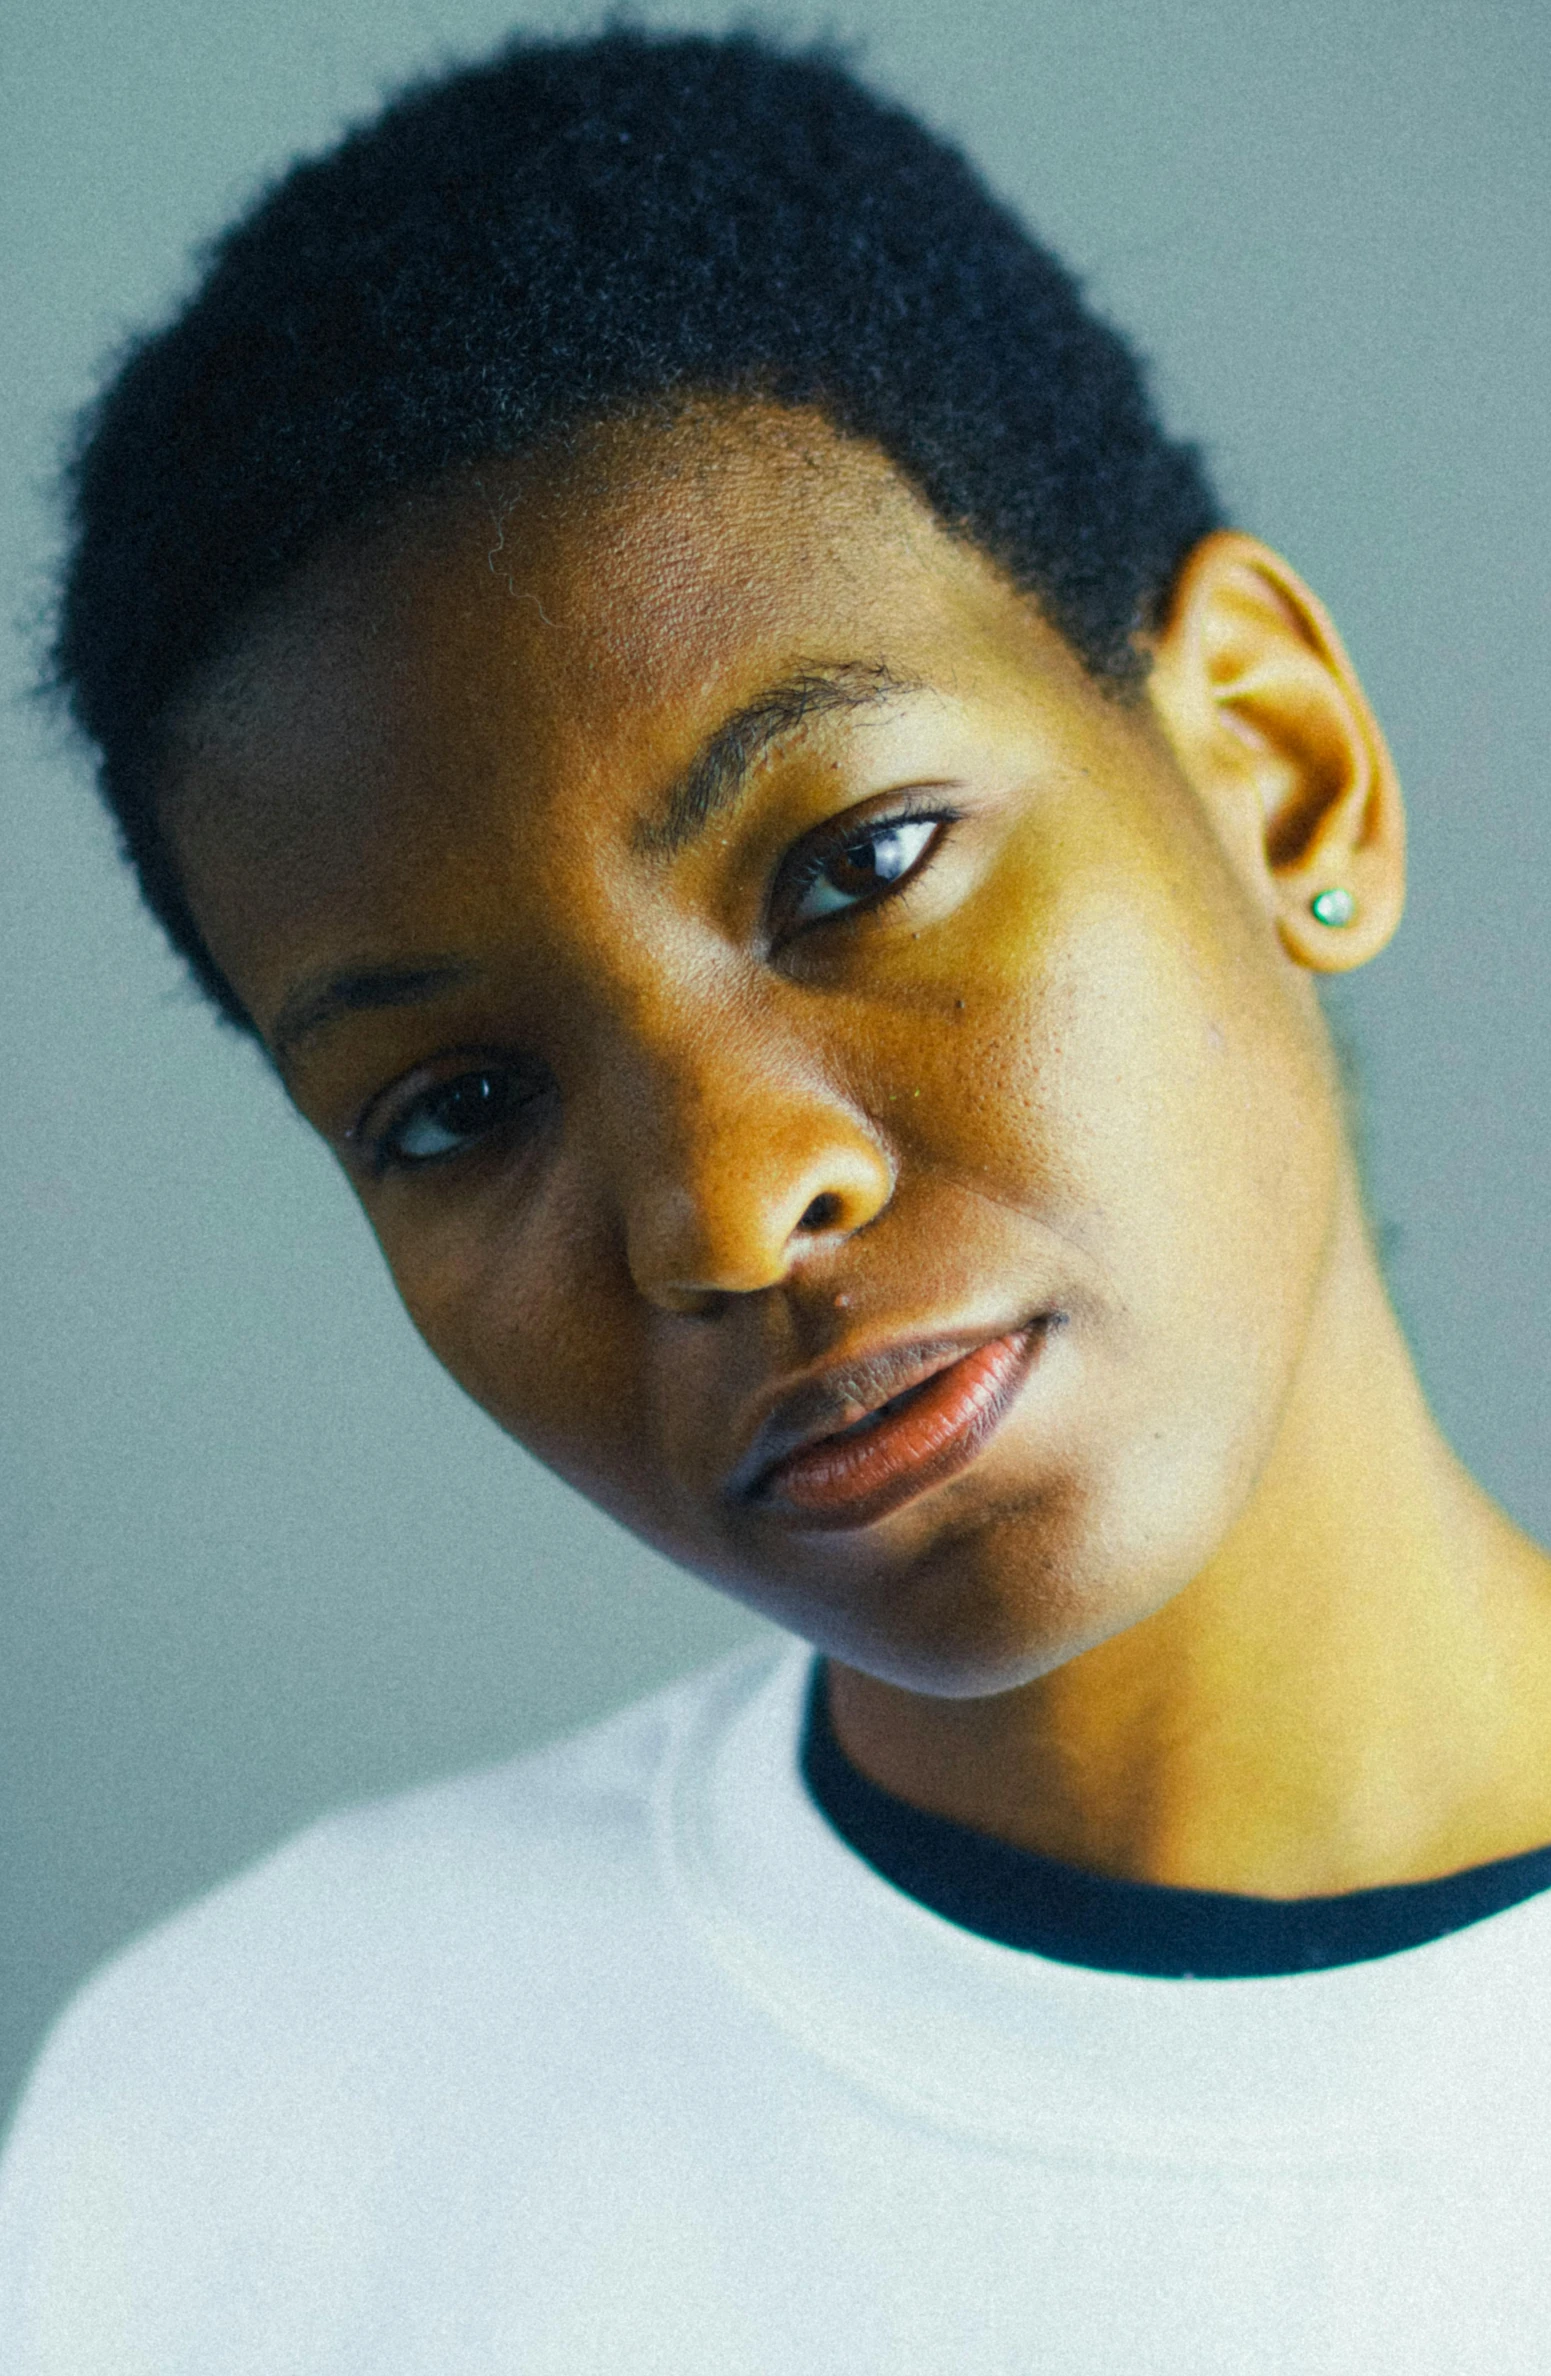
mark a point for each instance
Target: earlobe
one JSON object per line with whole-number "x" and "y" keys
{"x": 1254, "y": 689}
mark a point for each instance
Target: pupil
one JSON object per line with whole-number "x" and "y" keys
{"x": 873, "y": 860}
{"x": 467, "y": 1104}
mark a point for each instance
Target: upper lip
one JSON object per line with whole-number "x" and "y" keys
{"x": 829, "y": 1400}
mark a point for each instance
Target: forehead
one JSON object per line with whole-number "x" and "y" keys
{"x": 560, "y": 631}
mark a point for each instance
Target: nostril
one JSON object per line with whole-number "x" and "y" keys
{"x": 823, "y": 1213}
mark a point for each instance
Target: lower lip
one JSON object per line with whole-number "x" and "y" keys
{"x": 854, "y": 1478}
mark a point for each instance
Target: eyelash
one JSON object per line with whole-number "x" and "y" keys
{"x": 385, "y": 1157}
{"x": 805, "y": 871}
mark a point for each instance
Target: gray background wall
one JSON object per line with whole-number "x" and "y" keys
{"x": 259, "y": 1555}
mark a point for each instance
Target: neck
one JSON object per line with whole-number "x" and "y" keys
{"x": 1350, "y": 1693}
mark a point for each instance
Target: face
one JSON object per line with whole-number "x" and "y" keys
{"x": 817, "y": 1075}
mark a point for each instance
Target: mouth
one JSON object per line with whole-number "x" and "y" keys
{"x": 806, "y": 1470}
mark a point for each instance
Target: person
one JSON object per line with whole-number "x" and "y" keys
{"x": 647, "y": 644}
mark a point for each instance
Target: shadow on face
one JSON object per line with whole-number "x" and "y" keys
{"x": 826, "y": 1074}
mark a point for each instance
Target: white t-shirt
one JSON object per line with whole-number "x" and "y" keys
{"x": 616, "y": 2060}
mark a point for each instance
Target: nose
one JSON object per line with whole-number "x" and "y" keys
{"x": 733, "y": 1171}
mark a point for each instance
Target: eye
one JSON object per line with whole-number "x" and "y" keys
{"x": 452, "y": 1116}
{"x": 871, "y": 861}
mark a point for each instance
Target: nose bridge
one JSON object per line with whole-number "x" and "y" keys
{"x": 733, "y": 1146}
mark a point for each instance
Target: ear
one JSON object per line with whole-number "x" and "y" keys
{"x": 1263, "y": 708}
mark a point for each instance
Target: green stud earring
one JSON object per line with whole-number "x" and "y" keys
{"x": 1334, "y": 907}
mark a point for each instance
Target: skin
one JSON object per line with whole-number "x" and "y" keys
{"x": 1215, "y": 1605}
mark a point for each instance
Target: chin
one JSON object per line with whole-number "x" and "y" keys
{"x": 998, "y": 1601}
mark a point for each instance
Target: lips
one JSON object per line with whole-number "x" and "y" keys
{"x": 844, "y": 1450}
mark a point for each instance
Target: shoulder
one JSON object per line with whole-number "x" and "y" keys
{"x": 336, "y": 2064}
{"x": 332, "y": 1952}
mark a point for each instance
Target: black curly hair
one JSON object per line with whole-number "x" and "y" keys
{"x": 568, "y": 231}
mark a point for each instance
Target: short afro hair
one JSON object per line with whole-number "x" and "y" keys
{"x": 566, "y": 232}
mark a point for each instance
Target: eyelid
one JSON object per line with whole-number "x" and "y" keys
{"x": 367, "y": 1136}
{"x": 914, "y": 804}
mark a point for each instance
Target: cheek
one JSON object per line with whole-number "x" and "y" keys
{"x": 1127, "y": 1073}
{"x": 524, "y": 1309}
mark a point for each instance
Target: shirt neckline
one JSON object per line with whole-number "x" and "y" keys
{"x": 932, "y": 2023}
{"x": 1039, "y": 1906}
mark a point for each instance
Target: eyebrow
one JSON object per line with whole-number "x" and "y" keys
{"x": 728, "y": 757}
{"x": 314, "y": 1004}
{"x": 708, "y": 786}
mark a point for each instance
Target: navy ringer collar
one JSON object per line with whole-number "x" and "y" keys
{"x": 1024, "y": 1900}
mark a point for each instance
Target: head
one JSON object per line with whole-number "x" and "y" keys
{"x": 645, "y": 643}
